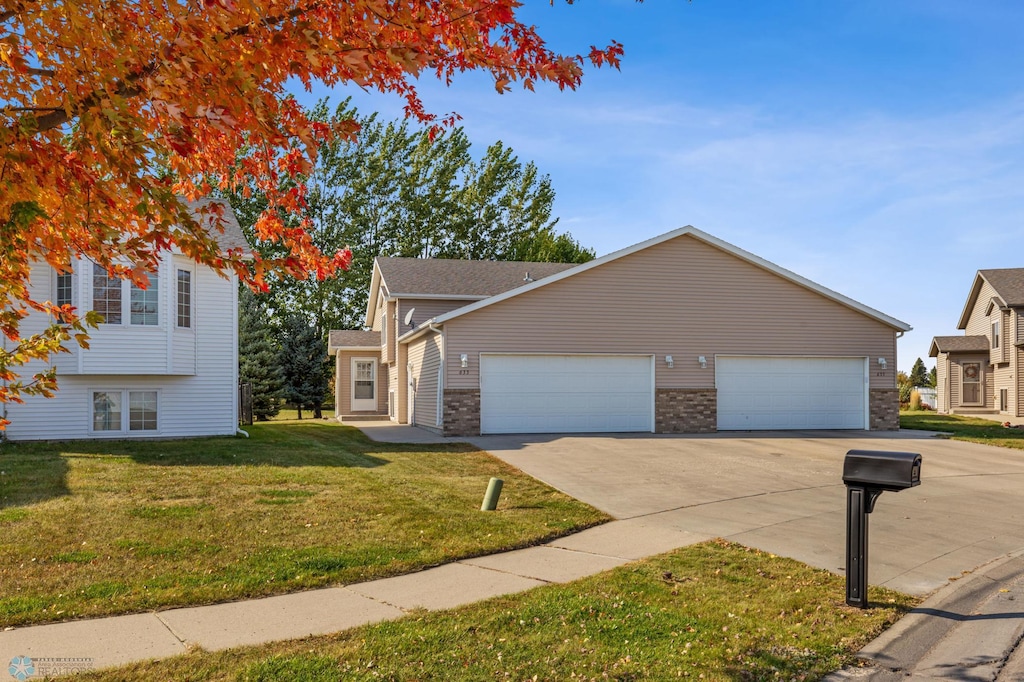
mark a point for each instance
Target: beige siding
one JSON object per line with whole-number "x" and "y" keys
{"x": 956, "y": 376}
{"x": 394, "y": 385}
{"x": 1019, "y": 400}
{"x": 682, "y": 298}
{"x": 425, "y": 359}
{"x": 980, "y": 324}
{"x": 425, "y": 309}
{"x": 343, "y": 381}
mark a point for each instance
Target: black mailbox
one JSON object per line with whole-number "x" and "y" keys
{"x": 882, "y": 470}
{"x": 867, "y": 473}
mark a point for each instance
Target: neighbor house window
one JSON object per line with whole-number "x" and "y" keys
{"x": 64, "y": 289}
{"x": 108, "y": 411}
{"x": 184, "y": 298}
{"x": 142, "y": 410}
{"x": 106, "y": 295}
{"x": 995, "y": 334}
{"x": 108, "y": 299}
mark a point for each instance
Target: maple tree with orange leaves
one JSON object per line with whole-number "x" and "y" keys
{"x": 115, "y": 112}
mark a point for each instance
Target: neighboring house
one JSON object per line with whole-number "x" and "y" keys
{"x": 980, "y": 371}
{"x": 681, "y": 333}
{"x": 164, "y": 363}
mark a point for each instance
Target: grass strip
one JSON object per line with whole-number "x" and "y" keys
{"x": 714, "y": 611}
{"x": 970, "y": 429}
{"x": 97, "y": 528}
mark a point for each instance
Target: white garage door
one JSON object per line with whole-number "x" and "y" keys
{"x": 764, "y": 393}
{"x": 566, "y": 393}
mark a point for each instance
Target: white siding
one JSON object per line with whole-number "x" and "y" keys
{"x": 134, "y": 358}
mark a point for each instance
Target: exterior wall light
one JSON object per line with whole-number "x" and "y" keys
{"x": 703, "y": 361}
{"x": 669, "y": 361}
{"x": 882, "y": 363}
{"x": 464, "y": 360}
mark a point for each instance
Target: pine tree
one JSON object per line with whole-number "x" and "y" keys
{"x": 933, "y": 377}
{"x": 258, "y": 357}
{"x": 918, "y": 374}
{"x": 303, "y": 365}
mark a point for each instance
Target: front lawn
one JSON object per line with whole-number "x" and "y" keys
{"x": 94, "y": 528}
{"x": 969, "y": 429}
{"x": 715, "y": 611}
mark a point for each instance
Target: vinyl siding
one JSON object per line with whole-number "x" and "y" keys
{"x": 941, "y": 382}
{"x": 425, "y": 358}
{"x": 956, "y": 376}
{"x": 1020, "y": 382}
{"x": 682, "y": 298}
{"x": 126, "y": 358}
{"x": 425, "y": 309}
{"x": 343, "y": 381}
{"x": 980, "y": 324}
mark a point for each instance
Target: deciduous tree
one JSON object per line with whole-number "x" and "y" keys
{"x": 113, "y": 111}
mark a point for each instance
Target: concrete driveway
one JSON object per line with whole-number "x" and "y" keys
{"x": 782, "y": 492}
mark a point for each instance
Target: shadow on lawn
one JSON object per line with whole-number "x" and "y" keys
{"x": 28, "y": 477}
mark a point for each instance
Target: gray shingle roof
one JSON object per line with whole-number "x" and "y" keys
{"x": 472, "y": 278}
{"x": 959, "y": 344}
{"x": 348, "y": 338}
{"x": 1008, "y": 283}
{"x": 232, "y": 237}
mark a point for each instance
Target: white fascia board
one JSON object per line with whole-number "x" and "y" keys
{"x": 419, "y": 331}
{"x": 704, "y": 237}
{"x": 333, "y": 350}
{"x": 437, "y": 297}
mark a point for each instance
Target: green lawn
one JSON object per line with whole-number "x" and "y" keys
{"x": 715, "y": 611}
{"x": 93, "y": 528}
{"x": 969, "y": 429}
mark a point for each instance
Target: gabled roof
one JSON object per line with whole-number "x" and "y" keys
{"x": 958, "y": 344}
{"x": 469, "y": 280}
{"x": 232, "y": 237}
{"x": 1009, "y": 286}
{"x": 352, "y": 338}
{"x": 696, "y": 234}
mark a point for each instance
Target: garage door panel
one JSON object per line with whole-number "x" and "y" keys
{"x": 565, "y": 393}
{"x": 764, "y": 393}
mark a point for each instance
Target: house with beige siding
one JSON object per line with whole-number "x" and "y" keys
{"x": 163, "y": 364}
{"x": 683, "y": 333}
{"x": 979, "y": 371}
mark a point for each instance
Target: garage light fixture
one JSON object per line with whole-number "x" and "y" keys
{"x": 669, "y": 361}
{"x": 882, "y": 363}
{"x": 464, "y": 360}
{"x": 703, "y": 361}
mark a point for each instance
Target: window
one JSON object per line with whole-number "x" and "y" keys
{"x": 145, "y": 303}
{"x": 995, "y": 334}
{"x": 107, "y": 410}
{"x": 184, "y": 298}
{"x": 106, "y": 295}
{"x": 142, "y": 410}
{"x": 108, "y": 299}
{"x": 64, "y": 289}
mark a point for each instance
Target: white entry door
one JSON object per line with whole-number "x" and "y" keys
{"x": 784, "y": 393}
{"x": 566, "y": 393}
{"x": 364, "y": 385}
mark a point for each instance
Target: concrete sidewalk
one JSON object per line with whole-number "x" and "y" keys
{"x": 104, "y": 642}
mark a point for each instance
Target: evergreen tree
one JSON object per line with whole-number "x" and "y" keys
{"x": 918, "y": 374}
{"x": 258, "y": 357}
{"x": 303, "y": 364}
{"x": 933, "y": 377}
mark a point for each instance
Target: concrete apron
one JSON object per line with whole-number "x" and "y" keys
{"x": 783, "y": 493}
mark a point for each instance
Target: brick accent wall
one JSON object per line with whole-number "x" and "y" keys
{"x": 685, "y": 410}
{"x": 884, "y": 404}
{"x": 461, "y": 412}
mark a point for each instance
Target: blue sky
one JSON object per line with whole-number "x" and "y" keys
{"x": 874, "y": 147}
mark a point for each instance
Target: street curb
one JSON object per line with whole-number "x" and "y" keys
{"x": 894, "y": 653}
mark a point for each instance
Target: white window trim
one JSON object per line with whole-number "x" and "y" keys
{"x": 125, "y": 429}
{"x": 126, "y": 299}
{"x": 192, "y": 298}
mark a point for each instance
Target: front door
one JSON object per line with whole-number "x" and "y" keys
{"x": 972, "y": 384}
{"x": 364, "y": 385}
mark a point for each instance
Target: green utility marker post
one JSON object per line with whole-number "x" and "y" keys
{"x": 492, "y": 494}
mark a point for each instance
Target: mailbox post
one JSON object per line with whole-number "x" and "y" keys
{"x": 867, "y": 474}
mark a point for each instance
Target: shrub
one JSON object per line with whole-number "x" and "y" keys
{"x": 915, "y": 400}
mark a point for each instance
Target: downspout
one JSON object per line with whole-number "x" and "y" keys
{"x": 439, "y": 417}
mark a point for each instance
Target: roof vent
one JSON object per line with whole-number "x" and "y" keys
{"x": 527, "y": 279}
